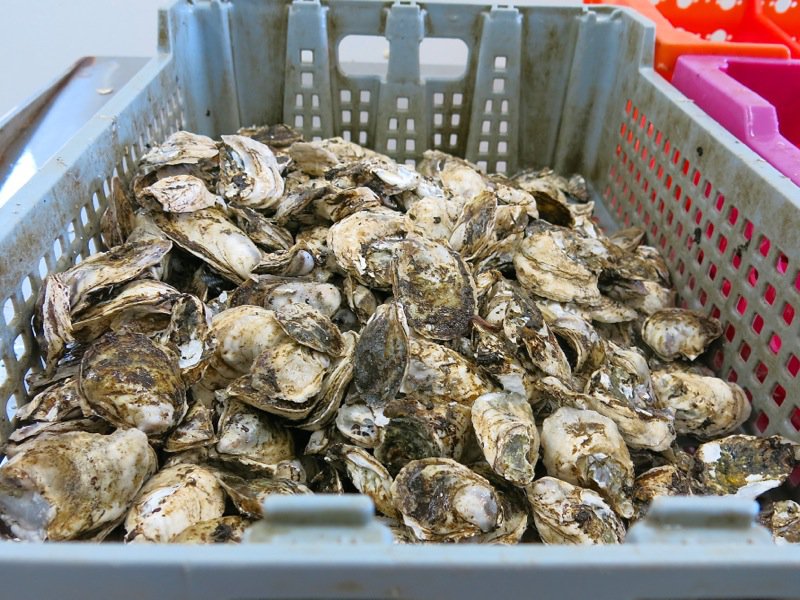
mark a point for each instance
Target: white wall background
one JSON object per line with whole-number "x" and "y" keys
{"x": 40, "y": 39}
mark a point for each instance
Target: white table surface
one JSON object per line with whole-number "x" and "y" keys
{"x": 40, "y": 39}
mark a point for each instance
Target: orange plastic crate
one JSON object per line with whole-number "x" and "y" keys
{"x": 709, "y": 28}
{"x": 786, "y": 15}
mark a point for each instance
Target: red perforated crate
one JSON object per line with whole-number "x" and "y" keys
{"x": 729, "y": 27}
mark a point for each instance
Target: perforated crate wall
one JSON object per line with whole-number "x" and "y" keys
{"x": 70, "y": 232}
{"x": 722, "y": 263}
{"x": 401, "y": 115}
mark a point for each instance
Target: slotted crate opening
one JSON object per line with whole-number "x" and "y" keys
{"x": 732, "y": 270}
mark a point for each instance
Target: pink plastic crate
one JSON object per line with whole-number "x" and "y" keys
{"x": 757, "y": 100}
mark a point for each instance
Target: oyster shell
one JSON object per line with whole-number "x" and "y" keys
{"x": 622, "y": 390}
{"x": 442, "y": 500}
{"x": 106, "y": 269}
{"x": 435, "y": 289}
{"x": 474, "y": 229}
{"x": 307, "y": 326}
{"x": 222, "y": 530}
{"x": 172, "y": 500}
{"x": 248, "y": 495}
{"x": 52, "y": 323}
{"x": 360, "y": 299}
{"x": 43, "y": 430}
{"x": 140, "y": 297}
{"x": 360, "y": 423}
{"x": 194, "y": 431}
{"x": 583, "y": 347}
{"x": 585, "y": 448}
{"x": 567, "y": 514}
{"x": 627, "y": 239}
{"x": 273, "y": 293}
{"x": 458, "y": 178}
{"x": 381, "y": 355}
{"x": 524, "y": 324}
{"x": 705, "y": 407}
{"x": 180, "y": 148}
{"x": 513, "y": 506}
{"x": 132, "y": 382}
{"x": 362, "y": 245}
{"x": 341, "y": 204}
{"x": 264, "y": 232}
{"x": 666, "y": 480}
{"x": 249, "y": 173}
{"x": 278, "y": 136}
{"x": 782, "y": 518}
{"x": 507, "y": 435}
{"x": 73, "y": 485}
{"x": 252, "y": 437}
{"x": 208, "y": 235}
{"x": 284, "y": 380}
{"x": 326, "y": 481}
{"x": 317, "y": 157}
{"x": 496, "y": 357}
{"x": 743, "y": 465}
{"x": 432, "y": 218}
{"x": 118, "y": 220}
{"x": 675, "y": 332}
{"x": 436, "y": 372}
{"x": 188, "y": 336}
{"x": 242, "y": 334}
{"x": 545, "y": 269}
{"x": 334, "y": 387}
{"x": 181, "y": 194}
{"x": 58, "y": 402}
{"x": 367, "y": 474}
{"x": 64, "y": 295}
{"x": 418, "y": 430}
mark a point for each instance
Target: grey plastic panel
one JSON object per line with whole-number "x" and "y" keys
{"x": 53, "y": 221}
{"x": 493, "y": 138}
{"x": 371, "y": 571}
{"x": 307, "y": 102}
{"x": 725, "y": 220}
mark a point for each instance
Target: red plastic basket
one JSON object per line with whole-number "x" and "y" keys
{"x": 720, "y": 27}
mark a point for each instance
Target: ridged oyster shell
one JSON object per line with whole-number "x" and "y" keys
{"x": 172, "y": 500}
{"x": 73, "y": 485}
{"x": 568, "y": 514}
{"x": 674, "y": 332}
{"x": 507, "y": 435}
{"x": 585, "y": 448}
{"x": 442, "y": 500}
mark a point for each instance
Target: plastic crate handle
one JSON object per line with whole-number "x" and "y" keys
{"x": 699, "y": 520}
{"x": 319, "y": 518}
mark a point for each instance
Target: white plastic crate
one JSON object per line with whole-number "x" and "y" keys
{"x": 545, "y": 84}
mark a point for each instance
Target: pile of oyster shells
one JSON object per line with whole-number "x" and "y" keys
{"x": 276, "y": 316}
